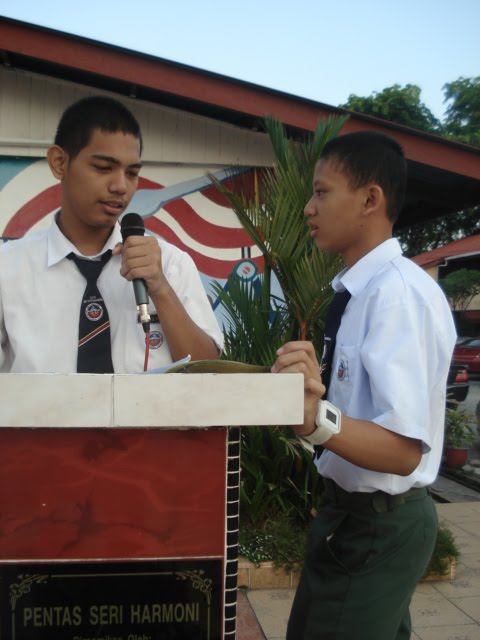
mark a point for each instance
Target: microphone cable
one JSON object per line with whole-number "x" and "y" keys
{"x": 147, "y": 350}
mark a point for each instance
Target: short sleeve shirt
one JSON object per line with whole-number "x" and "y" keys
{"x": 40, "y": 297}
{"x": 391, "y": 362}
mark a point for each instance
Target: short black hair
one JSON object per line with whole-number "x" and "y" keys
{"x": 81, "y": 118}
{"x": 367, "y": 156}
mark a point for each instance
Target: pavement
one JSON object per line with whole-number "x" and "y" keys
{"x": 444, "y": 610}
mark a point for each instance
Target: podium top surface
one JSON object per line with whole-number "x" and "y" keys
{"x": 163, "y": 400}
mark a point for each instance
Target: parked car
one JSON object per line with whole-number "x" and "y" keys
{"x": 457, "y": 384}
{"x": 468, "y": 352}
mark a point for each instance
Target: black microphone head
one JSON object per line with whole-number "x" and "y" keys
{"x": 132, "y": 225}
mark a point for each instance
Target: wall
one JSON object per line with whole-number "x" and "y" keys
{"x": 179, "y": 149}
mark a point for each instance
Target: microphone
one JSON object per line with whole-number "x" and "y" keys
{"x": 132, "y": 225}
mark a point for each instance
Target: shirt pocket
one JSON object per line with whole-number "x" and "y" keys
{"x": 133, "y": 345}
{"x": 344, "y": 372}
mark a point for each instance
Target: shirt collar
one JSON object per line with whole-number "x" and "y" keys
{"x": 359, "y": 275}
{"x": 59, "y": 246}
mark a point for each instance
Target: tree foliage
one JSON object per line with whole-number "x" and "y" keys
{"x": 397, "y": 104}
{"x": 463, "y": 112}
{"x": 404, "y": 106}
{"x": 430, "y": 234}
{"x": 461, "y": 287}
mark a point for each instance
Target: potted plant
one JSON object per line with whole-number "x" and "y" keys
{"x": 444, "y": 558}
{"x": 458, "y": 435}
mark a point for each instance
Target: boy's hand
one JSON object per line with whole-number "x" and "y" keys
{"x": 299, "y": 357}
{"x": 142, "y": 258}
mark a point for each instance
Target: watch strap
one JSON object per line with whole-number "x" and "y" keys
{"x": 319, "y": 436}
{"x": 325, "y": 428}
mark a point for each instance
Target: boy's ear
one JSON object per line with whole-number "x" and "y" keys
{"x": 374, "y": 199}
{"x": 57, "y": 161}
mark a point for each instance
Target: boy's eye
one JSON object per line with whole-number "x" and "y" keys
{"x": 132, "y": 174}
{"x": 102, "y": 167}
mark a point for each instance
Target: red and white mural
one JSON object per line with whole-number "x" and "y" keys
{"x": 178, "y": 203}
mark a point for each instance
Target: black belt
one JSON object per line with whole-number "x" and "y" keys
{"x": 379, "y": 501}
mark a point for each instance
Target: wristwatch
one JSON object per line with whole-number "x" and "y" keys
{"x": 328, "y": 421}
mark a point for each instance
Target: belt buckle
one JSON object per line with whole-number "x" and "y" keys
{"x": 380, "y": 502}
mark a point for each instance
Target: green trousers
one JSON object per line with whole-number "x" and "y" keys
{"x": 365, "y": 555}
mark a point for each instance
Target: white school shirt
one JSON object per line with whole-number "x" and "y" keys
{"x": 390, "y": 364}
{"x": 40, "y": 298}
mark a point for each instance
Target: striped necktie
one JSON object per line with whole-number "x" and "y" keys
{"x": 94, "y": 346}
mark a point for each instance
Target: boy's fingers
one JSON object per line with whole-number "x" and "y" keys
{"x": 117, "y": 249}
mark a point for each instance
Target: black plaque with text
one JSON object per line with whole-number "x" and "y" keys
{"x": 138, "y": 600}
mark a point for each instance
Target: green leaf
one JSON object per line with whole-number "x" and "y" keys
{"x": 278, "y": 475}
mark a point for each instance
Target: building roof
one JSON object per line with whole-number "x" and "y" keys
{"x": 444, "y": 176}
{"x": 456, "y": 249}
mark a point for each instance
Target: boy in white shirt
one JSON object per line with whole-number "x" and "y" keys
{"x": 383, "y": 432}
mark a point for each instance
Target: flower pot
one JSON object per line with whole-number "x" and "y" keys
{"x": 448, "y": 574}
{"x": 455, "y": 458}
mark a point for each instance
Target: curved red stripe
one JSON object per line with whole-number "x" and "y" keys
{"x": 205, "y": 232}
{"x": 43, "y": 203}
{"x": 214, "y": 195}
{"x": 33, "y": 211}
{"x": 209, "y": 266}
{"x": 145, "y": 183}
{"x": 244, "y": 182}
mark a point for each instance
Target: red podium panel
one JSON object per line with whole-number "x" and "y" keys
{"x": 101, "y": 493}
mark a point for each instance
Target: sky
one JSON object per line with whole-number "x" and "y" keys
{"x": 315, "y": 49}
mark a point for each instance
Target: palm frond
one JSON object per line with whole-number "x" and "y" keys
{"x": 278, "y": 476}
{"x": 256, "y": 324}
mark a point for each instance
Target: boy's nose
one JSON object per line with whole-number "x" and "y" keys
{"x": 119, "y": 183}
{"x": 308, "y": 209}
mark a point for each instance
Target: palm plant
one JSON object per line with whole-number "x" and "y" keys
{"x": 273, "y": 218}
{"x": 278, "y": 475}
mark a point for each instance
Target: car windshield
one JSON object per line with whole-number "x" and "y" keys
{"x": 474, "y": 342}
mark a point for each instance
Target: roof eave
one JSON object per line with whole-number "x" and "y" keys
{"x": 221, "y": 92}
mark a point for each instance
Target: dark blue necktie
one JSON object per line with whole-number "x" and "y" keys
{"x": 332, "y": 324}
{"x": 94, "y": 346}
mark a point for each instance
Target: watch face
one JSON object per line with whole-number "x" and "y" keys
{"x": 331, "y": 416}
{"x": 328, "y": 422}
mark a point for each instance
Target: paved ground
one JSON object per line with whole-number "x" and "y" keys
{"x": 440, "y": 610}
{"x": 446, "y": 490}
